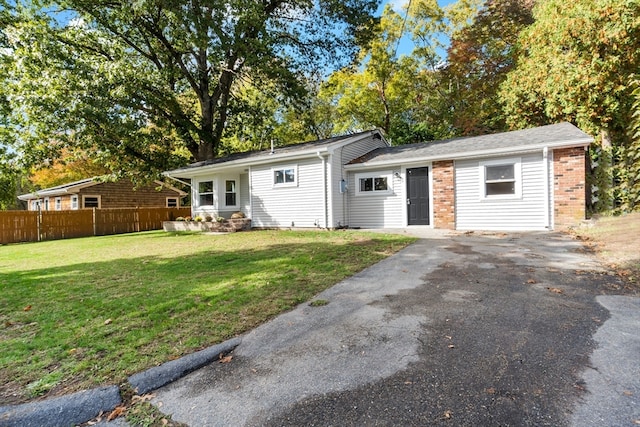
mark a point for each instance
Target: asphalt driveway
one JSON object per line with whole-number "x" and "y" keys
{"x": 462, "y": 329}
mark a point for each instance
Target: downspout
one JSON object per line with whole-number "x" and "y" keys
{"x": 547, "y": 194}
{"x": 324, "y": 189}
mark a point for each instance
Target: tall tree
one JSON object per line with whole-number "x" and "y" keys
{"x": 148, "y": 83}
{"x": 478, "y": 60}
{"x": 400, "y": 93}
{"x": 576, "y": 63}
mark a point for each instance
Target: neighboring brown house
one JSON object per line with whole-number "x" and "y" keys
{"x": 91, "y": 193}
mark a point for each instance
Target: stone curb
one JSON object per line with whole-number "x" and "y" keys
{"x": 69, "y": 410}
{"x": 156, "y": 377}
{"x": 78, "y": 408}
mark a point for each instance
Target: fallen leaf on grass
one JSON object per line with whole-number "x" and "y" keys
{"x": 143, "y": 398}
{"x": 108, "y": 321}
{"x": 556, "y": 290}
{"x": 27, "y": 308}
{"x": 116, "y": 413}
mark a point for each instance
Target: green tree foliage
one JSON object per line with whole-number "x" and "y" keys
{"x": 401, "y": 94}
{"x": 478, "y": 60}
{"x": 575, "y": 64}
{"x": 150, "y": 84}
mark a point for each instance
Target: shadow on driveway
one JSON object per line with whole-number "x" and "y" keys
{"x": 461, "y": 329}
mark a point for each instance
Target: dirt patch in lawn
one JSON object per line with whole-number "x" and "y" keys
{"x": 616, "y": 241}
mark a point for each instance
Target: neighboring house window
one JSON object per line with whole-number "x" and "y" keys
{"x": 74, "y": 202}
{"x": 205, "y": 191}
{"x": 501, "y": 178}
{"x": 35, "y": 205}
{"x": 89, "y": 202}
{"x": 172, "y": 202}
{"x": 373, "y": 183}
{"x": 285, "y": 176}
{"x": 46, "y": 203}
{"x": 58, "y": 203}
{"x": 230, "y": 192}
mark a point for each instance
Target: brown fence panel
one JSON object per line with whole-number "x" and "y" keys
{"x": 22, "y": 226}
{"x": 18, "y": 226}
{"x": 116, "y": 221}
{"x": 57, "y": 225}
{"x": 152, "y": 218}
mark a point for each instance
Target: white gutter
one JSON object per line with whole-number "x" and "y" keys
{"x": 470, "y": 155}
{"x": 547, "y": 194}
{"x": 324, "y": 189}
{"x": 177, "y": 180}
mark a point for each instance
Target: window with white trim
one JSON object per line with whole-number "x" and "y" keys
{"x": 286, "y": 176}
{"x": 46, "y": 203}
{"x": 205, "y": 193}
{"x": 501, "y": 178}
{"x": 35, "y": 205}
{"x": 90, "y": 202}
{"x": 172, "y": 202}
{"x": 374, "y": 183}
{"x": 230, "y": 194}
{"x": 74, "y": 202}
{"x": 58, "y": 203}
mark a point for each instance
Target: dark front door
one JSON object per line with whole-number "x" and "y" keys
{"x": 418, "y": 196}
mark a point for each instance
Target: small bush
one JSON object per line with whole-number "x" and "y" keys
{"x": 180, "y": 218}
{"x": 220, "y": 219}
{"x": 198, "y": 219}
{"x": 208, "y": 218}
{"x": 187, "y": 218}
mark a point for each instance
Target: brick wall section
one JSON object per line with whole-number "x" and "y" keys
{"x": 569, "y": 190}
{"x": 444, "y": 210}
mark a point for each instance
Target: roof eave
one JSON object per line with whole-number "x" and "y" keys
{"x": 583, "y": 142}
{"x": 269, "y": 158}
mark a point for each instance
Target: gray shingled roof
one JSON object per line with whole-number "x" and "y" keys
{"x": 285, "y": 149}
{"x": 553, "y": 136}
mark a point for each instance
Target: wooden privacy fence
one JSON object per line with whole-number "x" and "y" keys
{"x": 35, "y": 226}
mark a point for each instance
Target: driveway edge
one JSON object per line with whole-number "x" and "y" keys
{"x": 83, "y": 406}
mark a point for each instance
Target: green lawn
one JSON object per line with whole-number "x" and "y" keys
{"x": 83, "y": 312}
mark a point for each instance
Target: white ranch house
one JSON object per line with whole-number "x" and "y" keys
{"x": 531, "y": 179}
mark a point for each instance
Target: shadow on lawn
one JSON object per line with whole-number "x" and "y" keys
{"x": 88, "y": 323}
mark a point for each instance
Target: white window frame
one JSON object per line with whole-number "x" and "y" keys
{"x": 74, "y": 203}
{"x": 84, "y": 201}
{"x": 236, "y": 182}
{"x": 283, "y": 169}
{"x": 373, "y": 175}
{"x": 58, "y": 203}
{"x": 177, "y": 204}
{"x": 212, "y": 192}
{"x": 516, "y": 162}
{"x": 35, "y": 204}
{"x": 46, "y": 204}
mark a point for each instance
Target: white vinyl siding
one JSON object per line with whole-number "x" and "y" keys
{"x": 524, "y": 211}
{"x": 383, "y": 210}
{"x": 299, "y": 205}
{"x": 340, "y": 202}
{"x": 245, "y": 203}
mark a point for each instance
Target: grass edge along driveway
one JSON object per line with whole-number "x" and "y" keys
{"x": 84, "y": 312}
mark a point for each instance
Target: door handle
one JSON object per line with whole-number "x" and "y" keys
{"x": 408, "y": 201}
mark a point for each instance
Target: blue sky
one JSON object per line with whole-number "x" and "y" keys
{"x": 400, "y": 6}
